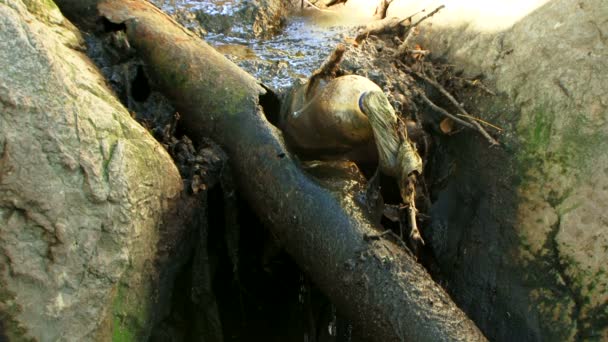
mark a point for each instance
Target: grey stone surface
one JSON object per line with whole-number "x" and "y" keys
{"x": 83, "y": 188}
{"x": 527, "y": 253}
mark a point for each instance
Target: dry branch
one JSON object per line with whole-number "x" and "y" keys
{"x": 469, "y": 118}
{"x": 381, "y": 26}
{"x": 480, "y": 85}
{"x": 327, "y": 70}
{"x": 443, "y": 111}
{"x": 433, "y": 12}
{"x": 374, "y": 283}
{"x": 335, "y": 2}
{"x": 315, "y": 6}
{"x": 411, "y": 31}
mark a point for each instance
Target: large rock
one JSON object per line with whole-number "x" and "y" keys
{"x": 83, "y": 190}
{"x": 235, "y": 18}
{"x": 521, "y": 232}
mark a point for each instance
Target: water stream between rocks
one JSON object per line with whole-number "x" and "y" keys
{"x": 306, "y": 39}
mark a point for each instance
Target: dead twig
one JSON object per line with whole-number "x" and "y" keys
{"x": 478, "y": 84}
{"x": 410, "y": 204}
{"x": 381, "y": 26}
{"x": 427, "y": 16}
{"x": 459, "y": 106}
{"x": 444, "y": 112}
{"x": 328, "y": 69}
{"x": 482, "y": 121}
{"x": 419, "y": 52}
{"x": 335, "y": 2}
{"x": 411, "y": 31}
{"x": 316, "y": 7}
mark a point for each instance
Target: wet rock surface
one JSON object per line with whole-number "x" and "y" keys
{"x": 525, "y": 250}
{"x": 275, "y": 59}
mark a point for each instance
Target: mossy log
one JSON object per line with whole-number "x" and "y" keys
{"x": 373, "y": 282}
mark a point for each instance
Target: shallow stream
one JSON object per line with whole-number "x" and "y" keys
{"x": 307, "y": 38}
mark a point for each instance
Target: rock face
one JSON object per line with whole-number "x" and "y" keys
{"x": 83, "y": 190}
{"x": 245, "y": 19}
{"x": 521, "y": 232}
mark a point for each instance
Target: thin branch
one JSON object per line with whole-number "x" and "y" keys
{"x": 415, "y": 236}
{"x": 460, "y": 108}
{"x": 419, "y": 52}
{"x": 316, "y": 7}
{"x": 403, "y": 48}
{"x": 427, "y": 16}
{"x": 478, "y": 84}
{"x": 328, "y": 69}
{"x": 380, "y": 26}
{"x": 444, "y": 112}
{"x": 335, "y": 2}
{"x": 482, "y": 121}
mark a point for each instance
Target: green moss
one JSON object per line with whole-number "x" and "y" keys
{"x": 121, "y": 333}
{"x": 43, "y": 9}
{"x": 583, "y": 141}
{"x": 539, "y": 133}
{"x": 573, "y": 147}
{"x": 130, "y": 312}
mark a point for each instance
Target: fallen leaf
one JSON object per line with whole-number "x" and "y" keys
{"x": 447, "y": 126}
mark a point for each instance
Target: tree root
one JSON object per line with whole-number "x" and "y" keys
{"x": 472, "y": 122}
{"x": 327, "y": 70}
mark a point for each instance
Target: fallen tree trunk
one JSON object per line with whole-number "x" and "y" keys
{"x": 382, "y": 289}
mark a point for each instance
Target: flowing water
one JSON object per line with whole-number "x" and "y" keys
{"x": 307, "y": 38}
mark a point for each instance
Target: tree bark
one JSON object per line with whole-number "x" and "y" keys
{"x": 382, "y": 289}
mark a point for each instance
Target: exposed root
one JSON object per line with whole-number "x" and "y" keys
{"x": 378, "y": 27}
{"x": 408, "y": 74}
{"x": 468, "y": 117}
{"x": 404, "y": 48}
{"x": 327, "y": 70}
{"x": 387, "y": 25}
{"x": 481, "y": 121}
{"x": 478, "y": 84}
{"x": 409, "y": 197}
{"x": 435, "y": 11}
{"x": 443, "y": 111}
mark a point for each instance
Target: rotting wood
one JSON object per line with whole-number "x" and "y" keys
{"x": 376, "y": 284}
